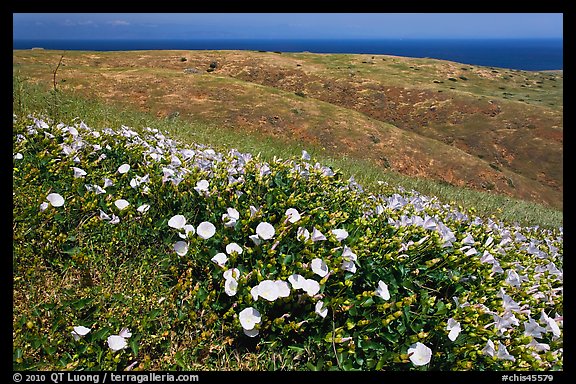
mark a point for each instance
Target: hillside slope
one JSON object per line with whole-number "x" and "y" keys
{"x": 479, "y": 127}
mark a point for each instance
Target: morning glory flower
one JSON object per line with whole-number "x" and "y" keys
{"x": 230, "y": 287}
{"x": 104, "y": 215}
{"x": 115, "y": 219}
{"x": 540, "y": 347}
{"x": 348, "y": 255}
{"x": 283, "y": 288}
{"x": 503, "y": 353}
{"x": 319, "y": 267}
{"x": 177, "y": 221}
{"x": 117, "y": 342}
{"x": 297, "y": 281}
{"x": 311, "y": 287}
{"x": 471, "y": 251}
{"x": 231, "y": 217}
{"x": 233, "y": 247}
{"x": 125, "y": 333}
{"x": 468, "y": 240}
{"x": 202, "y": 187}
{"x": 268, "y": 289}
{"x": 265, "y": 231}
{"x": 253, "y": 211}
{"x": 43, "y": 206}
{"x": 188, "y": 229}
{"x": 206, "y": 230}
{"x": 513, "y": 278}
{"x": 232, "y": 273}
{"x": 454, "y": 328}
{"x": 293, "y": 215}
{"x": 531, "y": 328}
{"x": 78, "y": 172}
{"x": 302, "y": 234}
{"x": 551, "y": 325}
{"x": 320, "y": 309}
{"x": 419, "y": 354}
{"x": 349, "y": 266}
{"x": 382, "y": 290}
{"x": 249, "y": 317}
{"x": 121, "y": 204}
{"x": 254, "y": 293}
{"x": 317, "y": 235}
{"x": 340, "y": 234}
{"x": 55, "y": 199}
{"x": 143, "y": 208}
{"x": 181, "y": 248}
{"x": 305, "y": 155}
{"x": 18, "y": 156}
{"x": 80, "y": 331}
{"x": 489, "y": 349}
{"x": 220, "y": 259}
{"x": 123, "y": 168}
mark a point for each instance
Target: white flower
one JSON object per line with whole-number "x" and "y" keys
{"x": 43, "y": 206}
{"x": 188, "y": 229}
{"x": 220, "y": 259}
{"x": 231, "y": 217}
{"x": 265, "y": 231}
{"x": 123, "y": 168}
{"x": 125, "y": 333}
{"x": 319, "y": 267}
{"x": 454, "y": 328}
{"x": 503, "y": 353}
{"x": 531, "y": 328}
{"x": 317, "y": 235}
{"x": 340, "y": 234}
{"x": 311, "y": 287}
{"x": 18, "y": 156}
{"x": 55, "y": 199}
{"x": 348, "y": 255}
{"x": 551, "y": 325}
{"x": 143, "y": 208}
{"x": 115, "y": 219}
{"x": 305, "y": 155}
{"x": 177, "y": 221}
{"x": 181, "y": 248}
{"x": 232, "y": 273}
{"x": 230, "y": 287}
{"x": 349, "y": 266}
{"x": 283, "y": 288}
{"x": 513, "y": 278}
{"x": 254, "y": 293}
{"x": 382, "y": 290}
{"x": 302, "y": 234}
{"x": 268, "y": 290}
{"x": 104, "y": 215}
{"x": 206, "y": 230}
{"x": 121, "y": 204}
{"x": 202, "y": 186}
{"x": 419, "y": 354}
{"x": 80, "y": 331}
{"x": 79, "y": 172}
{"x": 108, "y": 183}
{"x": 253, "y": 211}
{"x": 249, "y": 317}
{"x": 322, "y": 311}
{"x": 540, "y": 347}
{"x": 297, "y": 281}
{"x": 293, "y": 215}
{"x": 233, "y": 247}
{"x": 489, "y": 349}
{"x": 117, "y": 342}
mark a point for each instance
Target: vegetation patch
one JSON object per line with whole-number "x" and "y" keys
{"x": 134, "y": 251}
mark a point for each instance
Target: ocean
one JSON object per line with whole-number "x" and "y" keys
{"x": 521, "y": 54}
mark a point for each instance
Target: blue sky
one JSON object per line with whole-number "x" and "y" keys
{"x": 285, "y": 25}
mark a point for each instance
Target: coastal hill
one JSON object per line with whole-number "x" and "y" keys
{"x": 484, "y": 128}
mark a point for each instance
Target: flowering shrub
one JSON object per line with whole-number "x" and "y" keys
{"x": 184, "y": 248}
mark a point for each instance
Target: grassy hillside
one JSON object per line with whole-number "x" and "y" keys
{"x": 135, "y": 251}
{"x": 483, "y": 128}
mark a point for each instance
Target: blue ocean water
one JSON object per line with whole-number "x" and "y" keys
{"x": 524, "y": 54}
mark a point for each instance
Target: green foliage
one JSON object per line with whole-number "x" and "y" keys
{"x": 73, "y": 266}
